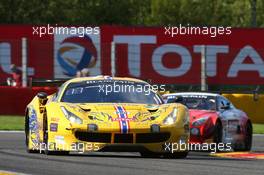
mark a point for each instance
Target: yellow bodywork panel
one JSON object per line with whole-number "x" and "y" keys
{"x": 101, "y": 125}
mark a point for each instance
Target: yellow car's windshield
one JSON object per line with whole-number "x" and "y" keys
{"x": 110, "y": 91}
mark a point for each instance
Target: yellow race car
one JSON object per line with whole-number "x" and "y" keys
{"x": 105, "y": 113}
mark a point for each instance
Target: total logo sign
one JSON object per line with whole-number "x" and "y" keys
{"x": 134, "y": 45}
{"x": 148, "y": 54}
{"x": 73, "y": 53}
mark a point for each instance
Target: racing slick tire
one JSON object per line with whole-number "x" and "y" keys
{"x": 247, "y": 141}
{"x": 27, "y": 136}
{"x": 218, "y": 134}
{"x": 149, "y": 154}
{"x": 176, "y": 155}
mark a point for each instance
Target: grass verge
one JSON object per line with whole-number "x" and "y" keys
{"x": 258, "y": 128}
{"x": 11, "y": 122}
{"x": 17, "y": 123}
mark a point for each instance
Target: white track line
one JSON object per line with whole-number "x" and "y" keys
{"x": 258, "y": 135}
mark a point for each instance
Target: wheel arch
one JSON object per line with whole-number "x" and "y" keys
{"x": 216, "y": 120}
{"x": 26, "y": 118}
{"x": 250, "y": 122}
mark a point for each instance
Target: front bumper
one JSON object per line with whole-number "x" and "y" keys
{"x": 80, "y": 140}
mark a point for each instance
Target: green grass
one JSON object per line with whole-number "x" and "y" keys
{"x": 17, "y": 123}
{"x": 11, "y": 122}
{"x": 258, "y": 128}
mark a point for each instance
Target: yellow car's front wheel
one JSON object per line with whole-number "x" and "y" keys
{"x": 149, "y": 154}
{"x": 176, "y": 155}
{"x": 27, "y": 134}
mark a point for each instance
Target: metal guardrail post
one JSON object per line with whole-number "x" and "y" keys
{"x": 113, "y": 59}
{"x": 24, "y": 62}
{"x": 203, "y": 69}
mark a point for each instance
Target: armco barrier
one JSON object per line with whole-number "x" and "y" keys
{"x": 13, "y": 101}
{"x": 246, "y": 102}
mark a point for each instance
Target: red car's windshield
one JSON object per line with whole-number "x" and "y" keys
{"x": 195, "y": 102}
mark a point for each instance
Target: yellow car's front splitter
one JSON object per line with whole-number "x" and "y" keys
{"x": 168, "y": 139}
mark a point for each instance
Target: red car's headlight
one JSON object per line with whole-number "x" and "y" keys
{"x": 171, "y": 118}
{"x": 200, "y": 121}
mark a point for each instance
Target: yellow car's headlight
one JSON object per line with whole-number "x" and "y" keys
{"x": 171, "y": 118}
{"x": 70, "y": 116}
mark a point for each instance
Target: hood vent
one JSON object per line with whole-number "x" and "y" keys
{"x": 86, "y": 109}
{"x": 153, "y": 110}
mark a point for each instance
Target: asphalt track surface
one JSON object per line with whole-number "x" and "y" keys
{"x": 13, "y": 157}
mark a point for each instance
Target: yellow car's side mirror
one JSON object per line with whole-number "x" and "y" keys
{"x": 43, "y": 97}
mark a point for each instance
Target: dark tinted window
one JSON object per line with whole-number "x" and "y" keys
{"x": 202, "y": 102}
{"x": 110, "y": 91}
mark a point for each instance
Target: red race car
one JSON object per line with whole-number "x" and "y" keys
{"x": 214, "y": 119}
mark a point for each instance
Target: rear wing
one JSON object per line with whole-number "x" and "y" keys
{"x": 46, "y": 82}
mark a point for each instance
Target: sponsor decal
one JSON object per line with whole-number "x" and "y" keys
{"x": 59, "y": 139}
{"x": 54, "y": 127}
{"x": 122, "y": 112}
{"x": 123, "y": 119}
{"x": 54, "y": 119}
{"x": 33, "y": 126}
